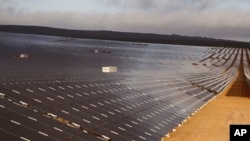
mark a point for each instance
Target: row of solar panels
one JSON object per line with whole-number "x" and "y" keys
{"x": 246, "y": 65}
{"x": 143, "y": 105}
{"x": 29, "y": 97}
{"x": 68, "y": 110}
{"x": 50, "y": 104}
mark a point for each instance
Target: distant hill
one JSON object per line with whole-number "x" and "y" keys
{"x": 124, "y": 36}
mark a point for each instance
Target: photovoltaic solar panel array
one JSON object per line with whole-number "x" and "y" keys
{"x": 60, "y": 92}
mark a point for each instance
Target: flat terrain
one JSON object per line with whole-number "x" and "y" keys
{"x": 212, "y": 122}
{"x": 59, "y": 92}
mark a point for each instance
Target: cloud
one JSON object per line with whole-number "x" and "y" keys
{"x": 162, "y": 5}
{"x": 148, "y": 16}
{"x": 7, "y": 2}
{"x": 8, "y": 5}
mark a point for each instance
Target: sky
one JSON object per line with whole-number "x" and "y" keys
{"x": 225, "y": 19}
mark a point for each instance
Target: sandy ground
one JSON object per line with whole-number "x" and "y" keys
{"x": 211, "y": 123}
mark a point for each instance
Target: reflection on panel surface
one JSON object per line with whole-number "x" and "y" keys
{"x": 59, "y": 91}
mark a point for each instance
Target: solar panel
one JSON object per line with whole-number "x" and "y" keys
{"x": 61, "y": 93}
